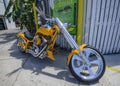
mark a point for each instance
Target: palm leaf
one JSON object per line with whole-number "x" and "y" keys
{"x": 10, "y": 4}
{"x": 9, "y": 14}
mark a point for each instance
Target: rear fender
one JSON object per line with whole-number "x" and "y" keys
{"x": 22, "y": 35}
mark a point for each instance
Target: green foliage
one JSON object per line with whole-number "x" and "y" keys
{"x": 21, "y": 11}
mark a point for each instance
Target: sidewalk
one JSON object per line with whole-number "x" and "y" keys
{"x": 17, "y": 69}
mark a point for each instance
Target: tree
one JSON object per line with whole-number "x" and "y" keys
{"x": 22, "y": 12}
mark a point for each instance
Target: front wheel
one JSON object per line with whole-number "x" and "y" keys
{"x": 89, "y": 71}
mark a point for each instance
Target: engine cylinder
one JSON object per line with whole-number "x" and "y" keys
{"x": 37, "y": 40}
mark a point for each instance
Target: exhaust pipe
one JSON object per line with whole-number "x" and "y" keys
{"x": 37, "y": 54}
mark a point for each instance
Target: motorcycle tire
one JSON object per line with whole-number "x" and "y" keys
{"x": 87, "y": 72}
{"x": 21, "y": 49}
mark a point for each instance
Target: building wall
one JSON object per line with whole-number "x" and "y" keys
{"x": 2, "y": 8}
{"x": 8, "y": 23}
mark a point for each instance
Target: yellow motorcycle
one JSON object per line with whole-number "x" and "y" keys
{"x": 85, "y": 63}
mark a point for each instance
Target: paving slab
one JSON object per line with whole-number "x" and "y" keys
{"x": 113, "y": 74}
{"x": 9, "y": 70}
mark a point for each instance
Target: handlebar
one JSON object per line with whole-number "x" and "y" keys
{"x": 42, "y": 14}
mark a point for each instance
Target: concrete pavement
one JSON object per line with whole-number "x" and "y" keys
{"x": 18, "y": 69}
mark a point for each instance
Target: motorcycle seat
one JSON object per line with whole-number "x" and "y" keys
{"x": 28, "y": 35}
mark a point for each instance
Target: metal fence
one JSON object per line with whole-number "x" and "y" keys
{"x": 61, "y": 41}
{"x": 102, "y": 25}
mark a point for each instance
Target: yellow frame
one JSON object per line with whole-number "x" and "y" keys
{"x": 52, "y": 32}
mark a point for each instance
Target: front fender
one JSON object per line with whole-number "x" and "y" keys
{"x": 71, "y": 54}
{"x": 82, "y": 47}
{"x": 75, "y": 52}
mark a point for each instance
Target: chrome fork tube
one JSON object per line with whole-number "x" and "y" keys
{"x": 70, "y": 40}
{"x": 67, "y": 36}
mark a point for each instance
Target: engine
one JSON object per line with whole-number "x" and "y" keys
{"x": 38, "y": 47}
{"x": 37, "y": 40}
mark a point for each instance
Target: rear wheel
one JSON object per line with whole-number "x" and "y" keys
{"x": 91, "y": 71}
{"x": 19, "y": 42}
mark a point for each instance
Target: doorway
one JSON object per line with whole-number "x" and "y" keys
{"x": 2, "y": 26}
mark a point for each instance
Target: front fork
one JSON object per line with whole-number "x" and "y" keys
{"x": 81, "y": 55}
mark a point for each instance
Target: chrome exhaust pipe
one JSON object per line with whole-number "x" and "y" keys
{"x": 37, "y": 54}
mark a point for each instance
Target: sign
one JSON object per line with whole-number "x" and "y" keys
{"x": 66, "y": 10}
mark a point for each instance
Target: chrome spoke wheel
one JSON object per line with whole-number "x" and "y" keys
{"x": 93, "y": 69}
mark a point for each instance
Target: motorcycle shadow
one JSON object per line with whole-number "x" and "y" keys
{"x": 56, "y": 69}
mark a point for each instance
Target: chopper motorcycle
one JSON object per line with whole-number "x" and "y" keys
{"x": 85, "y": 63}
